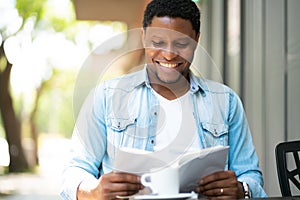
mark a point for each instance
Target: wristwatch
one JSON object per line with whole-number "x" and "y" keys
{"x": 247, "y": 192}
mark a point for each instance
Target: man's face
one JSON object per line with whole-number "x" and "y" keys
{"x": 169, "y": 49}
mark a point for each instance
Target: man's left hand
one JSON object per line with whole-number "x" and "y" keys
{"x": 221, "y": 185}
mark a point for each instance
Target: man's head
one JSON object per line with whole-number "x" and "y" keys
{"x": 170, "y": 36}
{"x": 185, "y": 9}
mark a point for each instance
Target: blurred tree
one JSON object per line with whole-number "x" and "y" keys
{"x": 37, "y": 19}
{"x": 12, "y": 121}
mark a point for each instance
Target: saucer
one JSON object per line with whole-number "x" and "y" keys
{"x": 164, "y": 197}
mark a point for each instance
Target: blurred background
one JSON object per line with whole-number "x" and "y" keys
{"x": 45, "y": 44}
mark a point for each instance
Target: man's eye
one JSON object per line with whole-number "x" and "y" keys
{"x": 181, "y": 45}
{"x": 157, "y": 44}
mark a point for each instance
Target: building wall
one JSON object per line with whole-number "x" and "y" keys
{"x": 256, "y": 45}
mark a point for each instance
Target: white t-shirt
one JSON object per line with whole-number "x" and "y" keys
{"x": 170, "y": 120}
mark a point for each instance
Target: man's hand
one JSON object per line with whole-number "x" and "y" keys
{"x": 109, "y": 186}
{"x": 221, "y": 185}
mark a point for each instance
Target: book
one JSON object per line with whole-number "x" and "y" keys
{"x": 193, "y": 165}
{"x": 197, "y": 164}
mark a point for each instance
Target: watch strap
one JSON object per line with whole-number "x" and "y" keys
{"x": 246, "y": 189}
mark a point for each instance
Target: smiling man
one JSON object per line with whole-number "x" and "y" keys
{"x": 147, "y": 110}
{"x": 170, "y": 44}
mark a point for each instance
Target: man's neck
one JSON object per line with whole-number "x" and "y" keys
{"x": 172, "y": 91}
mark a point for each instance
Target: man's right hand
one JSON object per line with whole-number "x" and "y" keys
{"x": 109, "y": 186}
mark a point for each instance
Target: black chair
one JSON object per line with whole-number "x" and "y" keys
{"x": 285, "y": 175}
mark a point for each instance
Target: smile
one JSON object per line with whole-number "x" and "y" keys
{"x": 168, "y": 65}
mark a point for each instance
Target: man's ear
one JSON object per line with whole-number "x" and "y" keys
{"x": 197, "y": 37}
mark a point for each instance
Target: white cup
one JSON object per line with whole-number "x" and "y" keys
{"x": 162, "y": 182}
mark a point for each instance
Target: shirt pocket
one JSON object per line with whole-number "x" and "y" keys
{"x": 124, "y": 133}
{"x": 119, "y": 125}
{"x": 215, "y": 134}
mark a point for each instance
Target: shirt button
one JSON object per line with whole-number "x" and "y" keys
{"x": 155, "y": 113}
{"x": 152, "y": 141}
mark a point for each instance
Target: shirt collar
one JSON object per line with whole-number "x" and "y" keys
{"x": 142, "y": 78}
{"x": 197, "y": 84}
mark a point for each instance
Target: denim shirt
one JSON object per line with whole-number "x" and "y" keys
{"x": 122, "y": 112}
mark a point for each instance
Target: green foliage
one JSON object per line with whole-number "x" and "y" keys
{"x": 29, "y": 8}
{"x": 48, "y": 14}
{"x": 59, "y": 16}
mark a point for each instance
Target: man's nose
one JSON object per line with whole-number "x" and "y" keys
{"x": 169, "y": 53}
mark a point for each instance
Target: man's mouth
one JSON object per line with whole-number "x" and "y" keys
{"x": 168, "y": 65}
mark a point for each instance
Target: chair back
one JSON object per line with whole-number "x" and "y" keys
{"x": 286, "y": 175}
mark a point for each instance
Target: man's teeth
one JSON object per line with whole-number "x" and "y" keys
{"x": 168, "y": 65}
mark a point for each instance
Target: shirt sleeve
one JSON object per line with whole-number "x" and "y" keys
{"x": 88, "y": 145}
{"x": 242, "y": 157}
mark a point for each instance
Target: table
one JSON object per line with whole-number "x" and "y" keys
{"x": 268, "y": 198}
{"x": 278, "y": 198}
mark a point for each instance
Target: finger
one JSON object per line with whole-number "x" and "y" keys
{"x": 215, "y": 192}
{"x": 125, "y": 177}
{"x": 224, "y": 183}
{"x": 122, "y": 194}
{"x": 222, "y": 192}
{"x": 108, "y": 187}
{"x": 198, "y": 190}
{"x": 118, "y": 177}
{"x": 111, "y": 191}
{"x": 125, "y": 187}
{"x": 221, "y": 175}
{"x": 222, "y": 198}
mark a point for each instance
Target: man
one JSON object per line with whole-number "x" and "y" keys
{"x": 128, "y": 111}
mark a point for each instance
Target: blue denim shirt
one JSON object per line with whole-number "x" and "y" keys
{"x": 123, "y": 113}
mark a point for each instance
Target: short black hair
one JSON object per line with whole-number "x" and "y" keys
{"x": 185, "y": 9}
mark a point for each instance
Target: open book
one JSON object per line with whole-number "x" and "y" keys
{"x": 192, "y": 165}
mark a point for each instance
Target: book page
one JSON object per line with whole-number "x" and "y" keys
{"x": 196, "y": 165}
{"x": 137, "y": 161}
{"x": 192, "y": 165}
